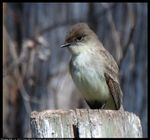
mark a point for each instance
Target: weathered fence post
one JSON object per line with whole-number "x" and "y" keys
{"x": 85, "y": 123}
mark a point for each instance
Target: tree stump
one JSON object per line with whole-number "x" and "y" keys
{"x": 85, "y": 123}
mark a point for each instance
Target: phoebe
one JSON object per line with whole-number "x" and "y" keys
{"x": 93, "y": 69}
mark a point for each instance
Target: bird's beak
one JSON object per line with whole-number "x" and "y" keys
{"x": 65, "y": 45}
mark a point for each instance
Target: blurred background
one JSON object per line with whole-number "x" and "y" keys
{"x": 35, "y": 68}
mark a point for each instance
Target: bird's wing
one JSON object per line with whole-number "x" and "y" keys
{"x": 115, "y": 90}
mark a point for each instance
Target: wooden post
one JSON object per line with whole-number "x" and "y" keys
{"x": 85, "y": 123}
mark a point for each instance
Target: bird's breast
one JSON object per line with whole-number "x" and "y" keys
{"x": 88, "y": 79}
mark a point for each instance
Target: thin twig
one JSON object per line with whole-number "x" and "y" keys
{"x": 23, "y": 92}
{"x": 133, "y": 25}
{"x": 116, "y": 36}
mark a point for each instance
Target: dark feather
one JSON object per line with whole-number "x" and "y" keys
{"x": 115, "y": 90}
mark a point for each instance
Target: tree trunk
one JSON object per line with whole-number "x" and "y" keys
{"x": 85, "y": 123}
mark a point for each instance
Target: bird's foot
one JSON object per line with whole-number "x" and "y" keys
{"x": 103, "y": 106}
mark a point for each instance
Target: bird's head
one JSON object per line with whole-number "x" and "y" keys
{"x": 79, "y": 38}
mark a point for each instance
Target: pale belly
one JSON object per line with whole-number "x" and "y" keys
{"x": 91, "y": 84}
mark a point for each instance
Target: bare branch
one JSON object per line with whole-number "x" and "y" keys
{"x": 116, "y": 36}
{"x": 18, "y": 77}
{"x": 132, "y": 18}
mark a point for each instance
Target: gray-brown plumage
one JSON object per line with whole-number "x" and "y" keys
{"x": 93, "y": 69}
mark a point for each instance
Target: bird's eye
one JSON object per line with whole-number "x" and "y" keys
{"x": 79, "y": 38}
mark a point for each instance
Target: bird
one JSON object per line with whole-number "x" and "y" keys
{"x": 93, "y": 69}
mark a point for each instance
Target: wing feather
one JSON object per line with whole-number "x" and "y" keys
{"x": 115, "y": 91}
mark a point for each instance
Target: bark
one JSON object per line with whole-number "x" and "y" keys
{"x": 85, "y": 123}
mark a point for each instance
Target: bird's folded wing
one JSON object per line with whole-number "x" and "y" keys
{"x": 115, "y": 90}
